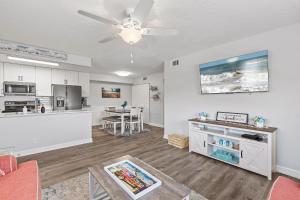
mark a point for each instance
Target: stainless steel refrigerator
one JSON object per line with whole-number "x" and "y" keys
{"x": 66, "y": 97}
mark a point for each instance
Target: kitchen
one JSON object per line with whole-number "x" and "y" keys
{"x": 43, "y": 108}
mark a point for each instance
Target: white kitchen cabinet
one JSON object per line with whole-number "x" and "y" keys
{"x": 198, "y": 142}
{"x": 1, "y": 79}
{"x": 43, "y": 81}
{"x": 71, "y": 77}
{"x": 64, "y": 77}
{"x": 12, "y": 72}
{"x": 28, "y": 74}
{"x": 254, "y": 156}
{"x": 58, "y": 76}
{"x": 19, "y": 73}
{"x": 84, "y": 82}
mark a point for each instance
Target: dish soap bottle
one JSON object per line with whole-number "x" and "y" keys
{"x": 25, "y": 110}
{"x": 43, "y": 109}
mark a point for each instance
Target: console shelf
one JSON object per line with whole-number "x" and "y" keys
{"x": 224, "y": 142}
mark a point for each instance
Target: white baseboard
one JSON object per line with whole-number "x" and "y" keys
{"x": 53, "y": 147}
{"x": 288, "y": 171}
{"x": 153, "y": 124}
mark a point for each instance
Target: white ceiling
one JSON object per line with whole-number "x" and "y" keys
{"x": 202, "y": 23}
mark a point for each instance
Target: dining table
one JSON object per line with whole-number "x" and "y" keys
{"x": 122, "y": 113}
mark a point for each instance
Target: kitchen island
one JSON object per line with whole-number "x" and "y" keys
{"x": 38, "y": 132}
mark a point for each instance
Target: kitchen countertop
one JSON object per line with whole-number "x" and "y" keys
{"x": 6, "y": 115}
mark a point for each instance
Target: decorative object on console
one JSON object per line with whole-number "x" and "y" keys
{"x": 240, "y": 74}
{"x": 241, "y": 118}
{"x": 203, "y": 115}
{"x": 259, "y": 121}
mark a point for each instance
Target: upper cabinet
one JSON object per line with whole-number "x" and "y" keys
{"x": 1, "y": 79}
{"x": 84, "y": 82}
{"x": 58, "y": 76}
{"x": 19, "y": 73}
{"x": 64, "y": 77}
{"x": 72, "y": 77}
{"x": 43, "y": 81}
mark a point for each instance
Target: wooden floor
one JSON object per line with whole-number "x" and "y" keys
{"x": 211, "y": 178}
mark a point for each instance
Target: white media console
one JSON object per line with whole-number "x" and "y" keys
{"x": 222, "y": 141}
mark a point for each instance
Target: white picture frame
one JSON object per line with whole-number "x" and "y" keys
{"x": 123, "y": 185}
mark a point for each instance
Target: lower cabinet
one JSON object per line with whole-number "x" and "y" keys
{"x": 198, "y": 142}
{"x": 254, "y": 156}
{"x": 225, "y": 143}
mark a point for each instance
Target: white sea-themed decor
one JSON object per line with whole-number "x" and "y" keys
{"x": 259, "y": 121}
{"x": 203, "y": 115}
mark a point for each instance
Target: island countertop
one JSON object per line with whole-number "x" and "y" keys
{"x": 20, "y": 114}
{"x": 38, "y": 132}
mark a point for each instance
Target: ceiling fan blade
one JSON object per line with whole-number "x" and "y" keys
{"x": 108, "y": 39}
{"x": 159, "y": 31}
{"x": 98, "y": 18}
{"x": 143, "y": 9}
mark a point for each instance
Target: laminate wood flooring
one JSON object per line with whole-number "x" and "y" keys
{"x": 210, "y": 178}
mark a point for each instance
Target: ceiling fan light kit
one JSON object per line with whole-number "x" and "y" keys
{"x": 131, "y": 27}
{"x": 130, "y": 36}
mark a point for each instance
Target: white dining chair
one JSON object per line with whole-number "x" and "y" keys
{"x": 134, "y": 120}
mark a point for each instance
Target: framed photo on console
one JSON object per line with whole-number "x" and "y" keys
{"x": 241, "y": 118}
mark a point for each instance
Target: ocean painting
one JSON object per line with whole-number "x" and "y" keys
{"x": 241, "y": 74}
{"x": 111, "y": 92}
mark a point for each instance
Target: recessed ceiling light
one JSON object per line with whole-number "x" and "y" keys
{"x": 123, "y": 73}
{"x": 32, "y": 61}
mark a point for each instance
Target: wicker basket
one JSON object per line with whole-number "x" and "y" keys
{"x": 178, "y": 141}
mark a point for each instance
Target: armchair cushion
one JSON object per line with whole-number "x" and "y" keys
{"x": 22, "y": 184}
{"x": 285, "y": 189}
{"x": 8, "y": 164}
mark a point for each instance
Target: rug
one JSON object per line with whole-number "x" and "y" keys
{"x": 77, "y": 189}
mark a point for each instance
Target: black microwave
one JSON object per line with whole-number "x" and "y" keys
{"x": 19, "y": 88}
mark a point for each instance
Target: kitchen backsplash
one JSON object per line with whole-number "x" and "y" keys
{"x": 46, "y": 101}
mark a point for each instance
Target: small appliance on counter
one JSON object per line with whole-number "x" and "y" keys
{"x": 17, "y": 106}
{"x": 66, "y": 97}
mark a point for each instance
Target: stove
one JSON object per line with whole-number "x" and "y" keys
{"x": 17, "y": 106}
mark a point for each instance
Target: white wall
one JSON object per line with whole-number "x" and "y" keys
{"x": 156, "y": 106}
{"x": 281, "y": 106}
{"x": 98, "y": 103}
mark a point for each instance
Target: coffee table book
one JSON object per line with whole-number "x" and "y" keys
{"x": 134, "y": 180}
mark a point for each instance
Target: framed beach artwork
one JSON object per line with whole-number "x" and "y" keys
{"x": 241, "y": 74}
{"x": 111, "y": 92}
{"x": 135, "y": 181}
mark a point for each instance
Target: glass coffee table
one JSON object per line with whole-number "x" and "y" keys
{"x": 103, "y": 187}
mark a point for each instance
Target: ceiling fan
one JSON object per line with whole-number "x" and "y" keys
{"x": 131, "y": 27}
